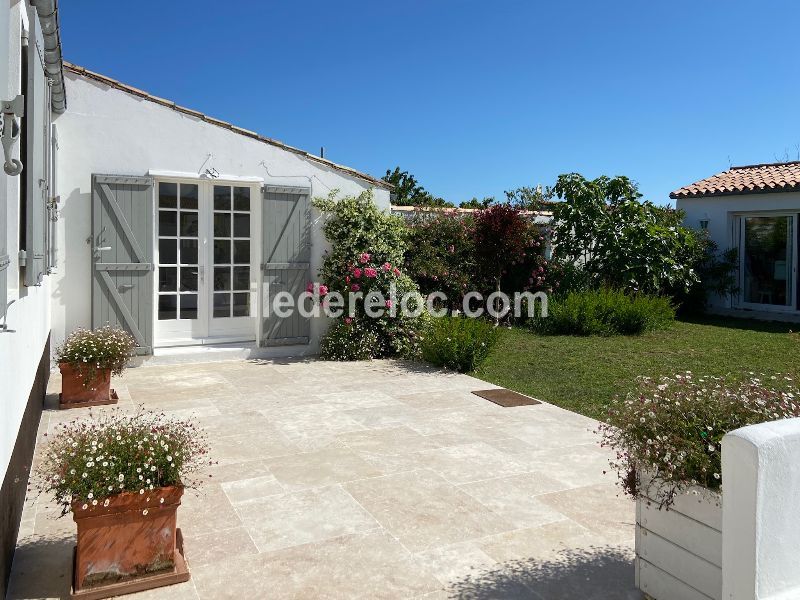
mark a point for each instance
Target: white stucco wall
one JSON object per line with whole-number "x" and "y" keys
{"x": 106, "y": 130}
{"x": 720, "y": 211}
{"x": 28, "y": 316}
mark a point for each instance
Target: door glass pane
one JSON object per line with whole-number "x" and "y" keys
{"x": 222, "y": 278}
{"x": 222, "y": 305}
{"x": 222, "y": 225}
{"x": 241, "y": 305}
{"x": 241, "y": 251}
{"x": 241, "y": 278}
{"x": 189, "y": 252}
{"x": 167, "y": 279}
{"x": 222, "y": 197}
{"x": 767, "y": 262}
{"x": 222, "y": 251}
{"x": 188, "y": 306}
{"x": 168, "y": 251}
{"x": 189, "y": 196}
{"x": 241, "y": 198}
{"x": 168, "y": 195}
{"x": 167, "y": 307}
{"x": 189, "y": 279}
{"x": 189, "y": 224}
{"x": 241, "y": 225}
{"x": 167, "y": 222}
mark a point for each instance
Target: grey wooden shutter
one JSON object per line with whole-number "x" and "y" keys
{"x": 37, "y": 126}
{"x": 122, "y": 255}
{"x": 286, "y": 260}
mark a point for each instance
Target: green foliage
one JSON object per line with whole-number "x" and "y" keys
{"x": 441, "y": 254}
{"x": 459, "y": 343}
{"x": 408, "y": 191}
{"x": 605, "y": 312}
{"x": 367, "y": 247}
{"x": 479, "y": 204}
{"x": 88, "y": 461}
{"x": 529, "y": 198}
{"x": 348, "y": 341}
{"x": 620, "y": 241}
{"x": 89, "y": 351}
{"x": 717, "y": 275}
{"x": 670, "y": 429}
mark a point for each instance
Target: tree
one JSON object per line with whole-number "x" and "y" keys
{"x": 529, "y": 198}
{"x": 620, "y": 241}
{"x": 408, "y": 191}
{"x": 479, "y": 204}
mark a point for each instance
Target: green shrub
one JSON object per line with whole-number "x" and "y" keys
{"x": 605, "y": 312}
{"x": 348, "y": 340}
{"x": 666, "y": 435}
{"x": 458, "y": 343}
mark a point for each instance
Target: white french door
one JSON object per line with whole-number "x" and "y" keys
{"x": 205, "y": 261}
{"x": 768, "y": 256}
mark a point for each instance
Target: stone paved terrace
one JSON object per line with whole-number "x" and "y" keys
{"x": 368, "y": 480}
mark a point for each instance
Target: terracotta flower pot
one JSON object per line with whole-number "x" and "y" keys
{"x": 134, "y": 536}
{"x": 76, "y": 392}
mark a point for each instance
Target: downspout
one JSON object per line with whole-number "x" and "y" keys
{"x": 48, "y": 19}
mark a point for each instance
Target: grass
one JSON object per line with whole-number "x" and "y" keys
{"x": 584, "y": 374}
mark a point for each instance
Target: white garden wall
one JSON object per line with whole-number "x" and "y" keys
{"x": 110, "y": 131}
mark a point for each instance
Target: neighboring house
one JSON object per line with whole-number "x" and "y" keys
{"x": 755, "y": 209}
{"x": 134, "y": 211}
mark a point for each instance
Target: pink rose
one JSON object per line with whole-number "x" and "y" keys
{"x": 396, "y": 271}
{"x": 348, "y": 320}
{"x": 357, "y": 272}
{"x": 386, "y": 266}
{"x": 310, "y": 287}
{"x": 355, "y": 287}
{"x": 347, "y": 279}
{"x": 364, "y": 258}
{"x": 323, "y": 289}
{"x": 370, "y": 272}
{"x": 388, "y": 304}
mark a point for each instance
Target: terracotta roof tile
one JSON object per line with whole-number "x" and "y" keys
{"x": 83, "y": 72}
{"x": 748, "y": 179}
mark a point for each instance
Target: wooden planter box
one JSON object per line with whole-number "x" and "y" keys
{"x": 76, "y": 394}
{"x": 679, "y": 550}
{"x": 129, "y": 545}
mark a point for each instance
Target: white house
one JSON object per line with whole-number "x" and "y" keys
{"x": 756, "y": 210}
{"x": 134, "y": 211}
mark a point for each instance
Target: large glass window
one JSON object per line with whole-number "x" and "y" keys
{"x": 767, "y": 260}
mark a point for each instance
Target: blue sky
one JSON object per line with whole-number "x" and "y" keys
{"x": 473, "y": 97}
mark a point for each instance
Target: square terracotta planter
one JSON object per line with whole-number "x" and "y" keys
{"x": 131, "y": 541}
{"x": 77, "y": 394}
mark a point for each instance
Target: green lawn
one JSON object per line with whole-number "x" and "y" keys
{"x": 584, "y": 373}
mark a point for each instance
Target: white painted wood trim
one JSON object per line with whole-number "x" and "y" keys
{"x": 203, "y": 177}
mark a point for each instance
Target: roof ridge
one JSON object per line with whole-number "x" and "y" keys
{"x": 84, "y": 72}
{"x": 759, "y": 165}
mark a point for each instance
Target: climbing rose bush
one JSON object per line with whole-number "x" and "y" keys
{"x": 671, "y": 428}
{"x": 88, "y": 461}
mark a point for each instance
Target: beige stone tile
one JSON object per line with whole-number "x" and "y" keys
{"x": 389, "y": 440}
{"x": 206, "y": 510}
{"x": 515, "y": 498}
{"x": 576, "y": 466}
{"x": 597, "y": 508}
{"x": 437, "y": 400}
{"x": 303, "y": 517}
{"x": 470, "y": 462}
{"x": 539, "y": 542}
{"x": 208, "y": 548}
{"x": 238, "y": 448}
{"x": 454, "y": 562}
{"x": 178, "y": 591}
{"x": 371, "y": 565}
{"x": 384, "y": 416}
{"x": 250, "y": 489}
{"x": 37, "y": 555}
{"x": 233, "y": 471}
{"x": 424, "y": 511}
{"x": 320, "y": 468}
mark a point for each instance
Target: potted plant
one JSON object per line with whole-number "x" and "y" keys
{"x": 667, "y": 441}
{"x": 122, "y": 476}
{"x": 87, "y": 359}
